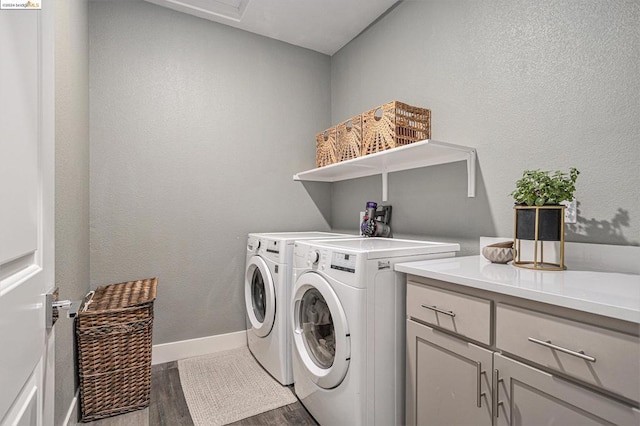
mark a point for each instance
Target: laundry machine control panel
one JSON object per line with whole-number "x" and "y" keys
{"x": 272, "y": 246}
{"x": 343, "y": 262}
{"x": 322, "y": 259}
{"x": 337, "y": 264}
{"x": 266, "y": 248}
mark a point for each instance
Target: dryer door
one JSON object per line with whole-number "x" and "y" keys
{"x": 321, "y": 332}
{"x": 259, "y": 296}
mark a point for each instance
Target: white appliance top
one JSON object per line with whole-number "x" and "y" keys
{"x": 611, "y": 294}
{"x": 376, "y": 248}
{"x": 311, "y": 235}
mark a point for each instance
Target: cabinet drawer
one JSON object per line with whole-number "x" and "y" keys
{"x": 465, "y": 315}
{"x": 601, "y": 357}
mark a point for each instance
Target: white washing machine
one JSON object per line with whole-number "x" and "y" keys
{"x": 267, "y": 295}
{"x": 348, "y": 318}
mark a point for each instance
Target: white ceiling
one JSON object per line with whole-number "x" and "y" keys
{"x": 321, "y": 25}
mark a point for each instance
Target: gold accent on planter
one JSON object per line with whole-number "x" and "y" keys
{"x": 538, "y": 261}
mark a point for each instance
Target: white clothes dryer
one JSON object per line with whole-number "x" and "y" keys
{"x": 267, "y": 298}
{"x": 348, "y": 318}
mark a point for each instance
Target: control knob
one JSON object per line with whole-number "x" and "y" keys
{"x": 314, "y": 257}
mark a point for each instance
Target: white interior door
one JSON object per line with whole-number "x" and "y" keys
{"x": 26, "y": 214}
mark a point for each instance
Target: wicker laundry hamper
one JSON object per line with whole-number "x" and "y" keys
{"x": 113, "y": 336}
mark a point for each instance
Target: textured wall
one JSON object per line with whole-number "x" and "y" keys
{"x": 530, "y": 84}
{"x": 72, "y": 182}
{"x": 196, "y": 131}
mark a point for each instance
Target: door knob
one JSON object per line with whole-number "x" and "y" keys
{"x": 53, "y": 305}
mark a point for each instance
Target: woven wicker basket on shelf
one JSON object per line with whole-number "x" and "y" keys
{"x": 349, "y": 139}
{"x": 326, "y": 147}
{"x": 392, "y": 125}
{"x": 113, "y": 334}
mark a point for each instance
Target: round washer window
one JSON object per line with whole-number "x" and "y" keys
{"x": 318, "y": 332}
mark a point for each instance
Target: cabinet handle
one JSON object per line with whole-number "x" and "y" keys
{"x": 442, "y": 311}
{"x": 548, "y": 344}
{"x": 480, "y": 394}
{"x": 496, "y": 384}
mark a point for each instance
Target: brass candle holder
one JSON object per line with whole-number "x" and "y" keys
{"x": 538, "y": 224}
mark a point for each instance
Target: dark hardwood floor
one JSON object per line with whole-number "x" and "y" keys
{"x": 292, "y": 414}
{"x": 167, "y": 405}
{"x": 169, "y": 408}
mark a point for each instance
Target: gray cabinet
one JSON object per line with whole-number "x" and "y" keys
{"x": 467, "y": 316}
{"x": 448, "y": 379}
{"x": 526, "y": 368}
{"x": 525, "y": 395}
{"x": 597, "y": 356}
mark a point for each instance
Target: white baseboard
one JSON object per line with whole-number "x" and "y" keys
{"x": 174, "y": 351}
{"x": 72, "y": 414}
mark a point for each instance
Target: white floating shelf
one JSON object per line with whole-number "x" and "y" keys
{"x": 420, "y": 154}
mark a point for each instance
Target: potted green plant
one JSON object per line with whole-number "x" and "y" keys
{"x": 536, "y": 191}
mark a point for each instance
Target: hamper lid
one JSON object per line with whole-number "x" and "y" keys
{"x": 121, "y": 296}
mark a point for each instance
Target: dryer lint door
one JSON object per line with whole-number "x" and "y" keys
{"x": 260, "y": 296}
{"x": 321, "y": 332}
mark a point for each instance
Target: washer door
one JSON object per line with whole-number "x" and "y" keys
{"x": 320, "y": 330}
{"x": 259, "y": 296}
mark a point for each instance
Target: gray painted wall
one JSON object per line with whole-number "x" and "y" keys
{"x": 196, "y": 132}
{"x": 72, "y": 183}
{"x": 189, "y": 117}
{"x": 530, "y": 84}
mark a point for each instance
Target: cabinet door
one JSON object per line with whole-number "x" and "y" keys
{"x": 528, "y": 396}
{"x": 448, "y": 379}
